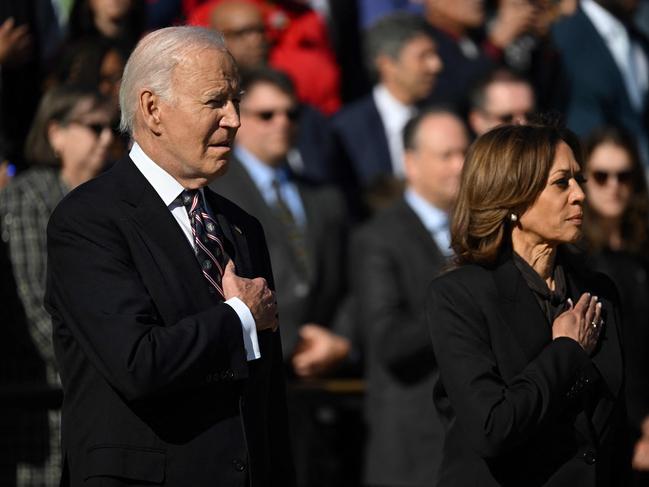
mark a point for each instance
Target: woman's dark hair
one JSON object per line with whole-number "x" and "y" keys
{"x": 635, "y": 219}
{"x": 82, "y": 23}
{"x": 80, "y": 61}
{"x": 59, "y": 105}
{"x": 505, "y": 171}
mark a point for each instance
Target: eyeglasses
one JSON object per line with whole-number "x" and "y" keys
{"x": 96, "y": 128}
{"x": 507, "y": 118}
{"x": 267, "y": 115}
{"x": 622, "y": 177}
{"x": 245, "y": 31}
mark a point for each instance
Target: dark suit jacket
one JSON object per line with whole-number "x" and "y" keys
{"x": 597, "y": 93}
{"x": 319, "y": 301}
{"x": 157, "y": 389}
{"x": 363, "y": 152}
{"x": 394, "y": 259}
{"x": 459, "y": 73}
{"x": 518, "y": 407}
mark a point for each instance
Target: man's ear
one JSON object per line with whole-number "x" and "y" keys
{"x": 477, "y": 121}
{"x": 150, "y": 110}
{"x": 410, "y": 165}
{"x": 384, "y": 65}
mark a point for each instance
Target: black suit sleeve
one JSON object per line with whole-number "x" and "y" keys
{"x": 95, "y": 293}
{"x": 397, "y": 334}
{"x": 496, "y": 415}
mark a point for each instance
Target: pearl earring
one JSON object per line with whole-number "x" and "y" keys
{"x": 513, "y": 217}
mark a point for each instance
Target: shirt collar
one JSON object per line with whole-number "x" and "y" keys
{"x": 432, "y": 217}
{"x": 262, "y": 174}
{"x": 394, "y": 114}
{"x": 164, "y": 183}
{"x": 608, "y": 26}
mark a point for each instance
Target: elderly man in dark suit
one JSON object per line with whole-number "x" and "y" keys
{"x": 160, "y": 293}
{"x": 396, "y": 255}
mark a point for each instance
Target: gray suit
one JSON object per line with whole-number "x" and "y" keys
{"x": 318, "y": 299}
{"x": 394, "y": 259}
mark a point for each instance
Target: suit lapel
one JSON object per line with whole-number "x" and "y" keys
{"x": 160, "y": 229}
{"x": 597, "y": 45}
{"x": 524, "y": 315}
{"x": 418, "y": 231}
{"x": 233, "y": 232}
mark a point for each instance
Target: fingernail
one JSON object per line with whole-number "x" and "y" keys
{"x": 595, "y": 298}
{"x": 599, "y": 304}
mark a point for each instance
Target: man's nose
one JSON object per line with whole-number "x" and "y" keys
{"x": 230, "y": 117}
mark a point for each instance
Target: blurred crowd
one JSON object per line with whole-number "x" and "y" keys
{"x": 355, "y": 119}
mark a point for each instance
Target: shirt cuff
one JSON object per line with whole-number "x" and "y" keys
{"x": 250, "y": 342}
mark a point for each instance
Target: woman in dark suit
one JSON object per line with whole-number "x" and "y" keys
{"x": 526, "y": 338}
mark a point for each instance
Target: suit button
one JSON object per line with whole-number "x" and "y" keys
{"x": 227, "y": 374}
{"x": 589, "y": 457}
{"x": 239, "y": 466}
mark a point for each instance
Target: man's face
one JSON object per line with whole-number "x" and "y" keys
{"x": 267, "y": 123}
{"x": 434, "y": 166}
{"x": 505, "y": 102}
{"x": 197, "y": 126}
{"x": 243, "y": 27}
{"x": 414, "y": 72}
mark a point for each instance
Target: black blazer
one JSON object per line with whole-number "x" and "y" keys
{"x": 518, "y": 407}
{"x": 326, "y": 232}
{"x": 157, "y": 389}
{"x": 394, "y": 258}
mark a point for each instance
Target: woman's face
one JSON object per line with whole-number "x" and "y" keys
{"x": 110, "y": 9}
{"x": 83, "y": 143}
{"x": 556, "y": 215}
{"x": 609, "y": 185}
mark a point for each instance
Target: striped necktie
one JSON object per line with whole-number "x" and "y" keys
{"x": 208, "y": 241}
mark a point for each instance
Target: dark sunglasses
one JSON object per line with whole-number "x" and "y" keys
{"x": 510, "y": 117}
{"x": 96, "y": 128}
{"x": 268, "y": 115}
{"x": 601, "y": 177}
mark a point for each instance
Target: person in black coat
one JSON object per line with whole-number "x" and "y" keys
{"x": 527, "y": 339}
{"x": 616, "y": 238}
{"x": 160, "y": 292}
{"x": 394, "y": 257}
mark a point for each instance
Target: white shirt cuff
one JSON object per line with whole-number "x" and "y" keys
{"x": 250, "y": 342}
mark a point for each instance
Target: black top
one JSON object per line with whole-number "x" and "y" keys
{"x": 552, "y": 302}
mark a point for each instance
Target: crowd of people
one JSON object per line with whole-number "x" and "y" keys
{"x": 356, "y": 153}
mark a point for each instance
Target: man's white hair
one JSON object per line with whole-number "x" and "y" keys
{"x": 152, "y": 63}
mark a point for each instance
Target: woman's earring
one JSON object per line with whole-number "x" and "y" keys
{"x": 513, "y": 217}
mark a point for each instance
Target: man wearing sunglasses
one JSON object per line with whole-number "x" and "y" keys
{"x": 305, "y": 231}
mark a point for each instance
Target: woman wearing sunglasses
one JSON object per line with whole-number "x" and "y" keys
{"x": 616, "y": 234}
{"x": 67, "y": 145}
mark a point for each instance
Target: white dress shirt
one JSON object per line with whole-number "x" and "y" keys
{"x": 169, "y": 189}
{"x": 628, "y": 55}
{"x": 434, "y": 219}
{"x": 394, "y": 116}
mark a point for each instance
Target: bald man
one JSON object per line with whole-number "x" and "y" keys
{"x": 242, "y": 24}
